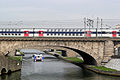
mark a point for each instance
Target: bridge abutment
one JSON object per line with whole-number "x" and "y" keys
{"x": 108, "y": 51}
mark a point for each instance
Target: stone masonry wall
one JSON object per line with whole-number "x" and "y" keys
{"x": 99, "y": 50}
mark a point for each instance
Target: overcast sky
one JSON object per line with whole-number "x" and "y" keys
{"x": 12, "y": 10}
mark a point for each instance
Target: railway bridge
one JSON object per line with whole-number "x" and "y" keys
{"x": 94, "y": 51}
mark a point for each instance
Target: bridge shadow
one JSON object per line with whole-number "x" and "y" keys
{"x": 89, "y": 60}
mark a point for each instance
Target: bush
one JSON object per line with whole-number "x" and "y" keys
{"x": 103, "y": 68}
{"x": 74, "y": 59}
{"x": 16, "y": 58}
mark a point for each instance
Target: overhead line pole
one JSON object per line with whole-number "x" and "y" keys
{"x": 97, "y": 26}
{"x": 101, "y": 26}
{"x": 84, "y": 24}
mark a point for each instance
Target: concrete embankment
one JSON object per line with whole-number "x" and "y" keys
{"x": 9, "y": 64}
{"x": 114, "y": 64}
{"x": 100, "y": 70}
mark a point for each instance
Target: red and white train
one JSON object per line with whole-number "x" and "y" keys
{"x": 59, "y": 32}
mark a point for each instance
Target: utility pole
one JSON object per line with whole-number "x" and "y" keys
{"x": 101, "y": 26}
{"x": 85, "y": 23}
{"x": 101, "y": 23}
{"x": 97, "y": 26}
{"x": 97, "y": 22}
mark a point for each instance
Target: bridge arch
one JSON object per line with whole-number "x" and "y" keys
{"x": 88, "y": 59}
{"x": 3, "y": 71}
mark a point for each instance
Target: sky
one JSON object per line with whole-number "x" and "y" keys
{"x": 28, "y": 10}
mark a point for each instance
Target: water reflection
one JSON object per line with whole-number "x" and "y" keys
{"x": 14, "y": 76}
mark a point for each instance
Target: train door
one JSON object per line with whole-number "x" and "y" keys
{"x": 114, "y": 33}
{"x": 88, "y": 34}
{"x": 26, "y": 33}
{"x": 40, "y": 33}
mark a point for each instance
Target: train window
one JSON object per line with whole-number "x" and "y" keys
{"x": 12, "y": 29}
{"x": 16, "y": 30}
{"x": 60, "y": 30}
{"x": 51, "y": 30}
{"x": 12, "y": 34}
{"x": 40, "y": 32}
{"x": 26, "y": 32}
{"x": 19, "y": 34}
{"x": 76, "y": 34}
{"x": 5, "y": 34}
{"x": 5, "y": 30}
{"x": 56, "y": 30}
{"x": 65, "y": 30}
{"x": 72, "y": 30}
{"x": 114, "y": 32}
{"x": 88, "y": 32}
{"x": 103, "y": 32}
{"x": 8, "y": 33}
{"x": 80, "y": 34}
{"x": 15, "y": 34}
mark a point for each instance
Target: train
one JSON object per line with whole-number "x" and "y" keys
{"x": 59, "y": 32}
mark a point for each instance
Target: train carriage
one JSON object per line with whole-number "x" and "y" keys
{"x": 57, "y": 32}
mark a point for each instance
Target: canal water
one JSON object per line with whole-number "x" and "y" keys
{"x": 53, "y": 69}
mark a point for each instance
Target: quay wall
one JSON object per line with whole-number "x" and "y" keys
{"x": 7, "y": 65}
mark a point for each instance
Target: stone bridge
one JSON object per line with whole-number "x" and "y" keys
{"x": 94, "y": 51}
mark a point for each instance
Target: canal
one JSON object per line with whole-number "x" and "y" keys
{"x": 53, "y": 69}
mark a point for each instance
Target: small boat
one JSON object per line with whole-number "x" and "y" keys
{"x": 38, "y": 57}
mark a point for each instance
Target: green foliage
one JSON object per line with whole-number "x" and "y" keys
{"x": 59, "y": 52}
{"x": 103, "y": 68}
{"x": 18, "y": 50}
{"x": 74, "y": 59}
{"x": 21, "y": 53}
{"x": 16, "y": 58}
